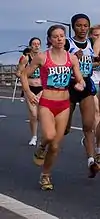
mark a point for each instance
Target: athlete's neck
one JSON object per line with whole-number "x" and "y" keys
{"x": 33, "y": 54}
{"x": 79, "y": 40}
{"x": 57, "y": 51}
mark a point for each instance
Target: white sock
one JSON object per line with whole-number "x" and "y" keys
{"x": 97, "y": 150}
{"x": 33, "y": 140}
{"x": 34, "y": 137}
{"x": 90, "y": 160}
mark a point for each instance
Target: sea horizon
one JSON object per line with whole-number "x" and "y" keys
{"x": 10, "y": 39}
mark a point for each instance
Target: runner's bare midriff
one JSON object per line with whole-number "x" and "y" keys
{"x": 34, "y": 82}
{"x": 55, "y": 94}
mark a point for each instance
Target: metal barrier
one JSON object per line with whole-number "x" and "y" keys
{"x": 8, "y": 75}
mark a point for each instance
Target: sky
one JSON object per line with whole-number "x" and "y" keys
{"x": 21, "y": 14}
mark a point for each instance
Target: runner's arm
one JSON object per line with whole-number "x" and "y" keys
{"x": 21, "y": 65}
{"x": 29, "y": 70}
{"x": 96, "y": 47}
{"x": 76, "y": 69}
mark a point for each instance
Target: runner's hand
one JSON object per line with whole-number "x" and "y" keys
{"x": 80, "y": 86}
{"x": 96, "y": 59}
{"x": 32, "y": 98}
{"x": 79, "y": 54}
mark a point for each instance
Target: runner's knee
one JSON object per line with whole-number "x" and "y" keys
{"x": 54, "y": 148}
{"x": 88, "y": 127}
{"x": 50, "y": 135}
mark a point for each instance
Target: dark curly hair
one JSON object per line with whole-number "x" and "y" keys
{"x": 32, "y": 39}
{"x": 26, "y": 51}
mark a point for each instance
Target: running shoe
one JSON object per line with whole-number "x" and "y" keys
{"x": 33, "y": 141}
{"x": 45, "y": 182}
{"x": 94, "y": 168}
{"x": 39, "y": 155}
{"x": 97, "y": 158}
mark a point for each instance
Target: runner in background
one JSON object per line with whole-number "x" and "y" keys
{"x": 95, "y": 35}
{"x": 22, "y": 63}
{"x": 82, "y": 48}
{"x": 35, "y": 86}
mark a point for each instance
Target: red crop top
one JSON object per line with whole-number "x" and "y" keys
{"x": 55, "y": 76}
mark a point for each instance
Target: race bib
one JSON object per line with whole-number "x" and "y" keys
{"x": 86, "y": 65}
{"x": 58, "y": 76}
{"x": 36, "y": 73}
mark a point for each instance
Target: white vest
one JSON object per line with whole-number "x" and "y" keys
{"x": 86, "y": 66}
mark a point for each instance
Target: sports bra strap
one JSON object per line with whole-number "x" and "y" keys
{"x": 67, "y": 54}
{"x": 68, "y": 57}
{"x": 48, "y": 54}
{"x": 29, "y": 59}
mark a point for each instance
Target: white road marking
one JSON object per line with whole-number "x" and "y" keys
{"x": 18, "y": 98}
{"x": 72, "y": 127}
{"x": 9, "y": 98}
{"x": 22, "y": 209}
{"x": 3, "y": 116}
{"x": 76, "y": 128}
{"x": 27, "y": 120}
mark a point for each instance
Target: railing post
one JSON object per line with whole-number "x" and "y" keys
{"x": 3, "y": 81}
{"x": 12, "y": 76}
